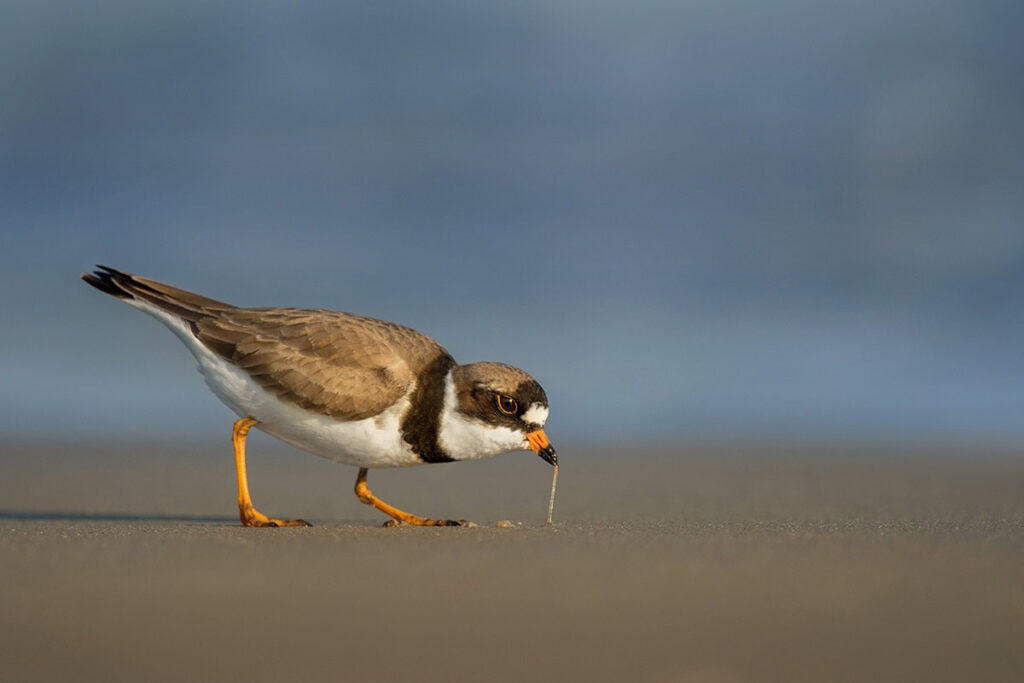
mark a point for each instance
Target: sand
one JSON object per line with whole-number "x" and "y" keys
{"x": 748, "y": 563}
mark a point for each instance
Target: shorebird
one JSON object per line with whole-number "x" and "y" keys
{"x": 356, "y": 390}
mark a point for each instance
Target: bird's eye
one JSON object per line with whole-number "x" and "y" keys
{"x": 507, "y": 404}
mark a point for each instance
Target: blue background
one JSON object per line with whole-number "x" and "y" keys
{"x": 693, "y": 220}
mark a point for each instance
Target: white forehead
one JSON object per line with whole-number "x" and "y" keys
{"x": 536, "y": 414}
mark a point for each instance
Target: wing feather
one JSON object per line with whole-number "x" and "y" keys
{"x": 337, "y": 364}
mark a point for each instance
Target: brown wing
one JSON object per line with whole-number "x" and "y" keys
{"x": 342, "y": 365}
{"x": 338, "y": 364}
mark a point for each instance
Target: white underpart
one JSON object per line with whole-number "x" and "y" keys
{"x": 467, "y": 439}
{"x": 373, "y": 442}
{"x": 536, "y": 414}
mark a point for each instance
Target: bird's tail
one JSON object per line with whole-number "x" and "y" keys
{"x": 177, "y": 302}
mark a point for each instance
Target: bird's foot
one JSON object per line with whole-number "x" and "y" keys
{"x": 419, "y": 521}
{"x": 252, "y": 517}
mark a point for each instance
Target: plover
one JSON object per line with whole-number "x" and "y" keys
{"x": 356, "y": 390}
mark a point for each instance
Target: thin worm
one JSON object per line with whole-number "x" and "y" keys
{"x": 551, "y": 503}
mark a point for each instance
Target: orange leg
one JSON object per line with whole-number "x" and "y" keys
{"x": 250, "y": 515}
{"x": 397, "y": 516}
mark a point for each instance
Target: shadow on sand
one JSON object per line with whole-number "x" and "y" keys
{"x": 77, "y": 516}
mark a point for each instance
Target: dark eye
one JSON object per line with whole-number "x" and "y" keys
{"x": 507, "y": 405}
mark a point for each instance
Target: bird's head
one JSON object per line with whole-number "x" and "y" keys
{"x": 496, "y": 408}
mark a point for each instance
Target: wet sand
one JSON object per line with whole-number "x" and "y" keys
{"x": 720, "y": 564}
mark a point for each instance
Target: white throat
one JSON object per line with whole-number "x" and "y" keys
{"x": 465, "y": 438}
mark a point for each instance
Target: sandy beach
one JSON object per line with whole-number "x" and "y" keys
{"x": 126, "y": 562}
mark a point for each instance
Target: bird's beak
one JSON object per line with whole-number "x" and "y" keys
{"x": 540, "y": 445}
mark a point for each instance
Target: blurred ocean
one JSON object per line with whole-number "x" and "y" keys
{"x": 700, "y": 219}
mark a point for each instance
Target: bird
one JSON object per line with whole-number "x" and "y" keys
{"x": 352, "y": 389}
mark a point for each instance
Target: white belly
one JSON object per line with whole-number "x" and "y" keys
{"x": 372, "y": 442}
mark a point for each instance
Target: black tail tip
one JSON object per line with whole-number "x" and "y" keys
{"x": 105, "y": 279}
